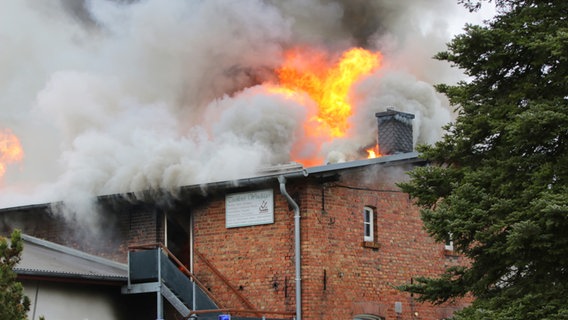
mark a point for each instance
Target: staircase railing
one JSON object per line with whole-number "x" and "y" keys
{"x": 246, "y": 302}
{"x": 179, "y": 266}
{"x": 288, "y": 315}
{"x": 153, "y": 263}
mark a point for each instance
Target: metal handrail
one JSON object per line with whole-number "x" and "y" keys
{"x": 251, "y": 309}
{"x": 247, "y": 303}
{"x": 184, "y": 269}
{"x": 240, "y": 311}
{"x": 180, "y": 266}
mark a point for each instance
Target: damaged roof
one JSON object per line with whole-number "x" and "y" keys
{"x": 41, "y": 258}
{"x": 289, "y": 171}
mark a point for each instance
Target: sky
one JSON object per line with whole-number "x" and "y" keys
{"x": 124, "y": 96}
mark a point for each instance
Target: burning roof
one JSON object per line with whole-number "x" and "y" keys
{"x": 110, "y": 96}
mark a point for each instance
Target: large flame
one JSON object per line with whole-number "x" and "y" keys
{"x": 311, "y": 72}
{"x": 10, "y": 150}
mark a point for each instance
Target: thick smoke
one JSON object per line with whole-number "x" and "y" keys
{"x": 124, "y": 96}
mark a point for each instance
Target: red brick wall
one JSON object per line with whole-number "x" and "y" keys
{"x": 256, "y": 260}
{"x": 144, "y": 227}
{"x": 362, "y": 279}
{"x": 340, "y": 277}
{"x": 116, "y": 229}
{"x": 38, "y": 223}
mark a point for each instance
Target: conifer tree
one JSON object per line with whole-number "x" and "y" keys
{"x": 497, "y": 182}
{"x": 14, "y": 305}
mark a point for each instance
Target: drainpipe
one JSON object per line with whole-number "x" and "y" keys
{"x": 192, "y": 259}
{"x": 291, "y": 201}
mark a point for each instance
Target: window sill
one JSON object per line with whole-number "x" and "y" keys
{"x": 371, "y": 244}
{"x": 450, "y": 253}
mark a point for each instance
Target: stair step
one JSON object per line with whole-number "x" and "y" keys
{"x": 175, "y": 301}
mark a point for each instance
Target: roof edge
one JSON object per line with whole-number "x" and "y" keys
{"x": 383, "y": 160}
{"x": 74, "y": 252}
{"x": 24, "y": 272}
{"x": 290, "y": 172}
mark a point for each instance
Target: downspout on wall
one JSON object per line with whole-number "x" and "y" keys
{"x": 192, "y": 257}
{"x": 282, "y": 181}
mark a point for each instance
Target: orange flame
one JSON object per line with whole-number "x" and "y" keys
{"x": 328, "y": 83}
{"x": 373, "y": 152}
{"x": 10, "y": 150}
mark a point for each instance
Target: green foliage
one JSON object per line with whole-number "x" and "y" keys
{"x": 498, "y": 182}
{"x": 14, "y": 305}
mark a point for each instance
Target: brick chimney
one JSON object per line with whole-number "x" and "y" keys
{"x": 395, "y": 132}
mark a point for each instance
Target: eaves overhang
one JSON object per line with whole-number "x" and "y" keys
{"x": 391, "y": 160}
{"x": 268, "y": 176}
{"x": 396, "y": 159}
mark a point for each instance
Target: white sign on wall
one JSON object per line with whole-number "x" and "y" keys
{"x": 249, "y": 208}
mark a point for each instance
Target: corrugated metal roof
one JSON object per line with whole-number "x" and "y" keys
{"x": 48, "y": 259}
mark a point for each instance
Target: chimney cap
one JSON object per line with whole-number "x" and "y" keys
{"x": 391, "y": 112}
{"x": 395, "y": 132}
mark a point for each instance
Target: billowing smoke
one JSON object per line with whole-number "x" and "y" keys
{"x": 123, "y": 96}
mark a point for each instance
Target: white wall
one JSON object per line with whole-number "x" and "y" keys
{"x": 66, "y": 301}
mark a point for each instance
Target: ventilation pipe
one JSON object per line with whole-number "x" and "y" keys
{"x": 294, "y": 205}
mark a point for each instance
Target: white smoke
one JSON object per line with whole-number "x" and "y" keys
{"x": 112, "y": 96}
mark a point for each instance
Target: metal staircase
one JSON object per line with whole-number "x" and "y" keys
{"x": 153, "y": 269}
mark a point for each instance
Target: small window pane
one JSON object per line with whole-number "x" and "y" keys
{"x": 368, "y": 224}
{"x": 449, "y": 245}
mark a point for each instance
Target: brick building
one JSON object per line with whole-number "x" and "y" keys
{"x": 342, "y": 233}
